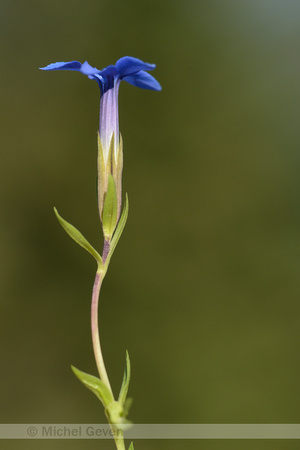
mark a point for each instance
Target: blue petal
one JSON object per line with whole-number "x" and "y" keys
{"x": 143, "y": 80}
{"x": 88, "y": 70}
{"x": 72, "y": 65}
{"x": 129, "y": 65}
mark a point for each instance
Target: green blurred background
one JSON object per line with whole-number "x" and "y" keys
{"x": 203, "y": 289}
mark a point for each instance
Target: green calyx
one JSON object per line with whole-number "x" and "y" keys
{"x": 118, "y": 231}
{"x": 110, "y": 210}
{"x": 117, "y": 169}
{"x": 110, "y": 164}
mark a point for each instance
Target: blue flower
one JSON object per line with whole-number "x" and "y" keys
{"x": 127, "y": 68}
{"x": 132, "y": 70}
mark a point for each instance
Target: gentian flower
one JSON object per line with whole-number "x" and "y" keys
{"x": 110, "y": 157}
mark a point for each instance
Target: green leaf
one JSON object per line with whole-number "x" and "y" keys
{"x": 95, "y": 385}
{"x": 118, "y": 232}
{"x": 131, "y": 446}
{"x": 125, "y": 382}
{"x": 110, "y": 209}
{"x": 78, "y": 237}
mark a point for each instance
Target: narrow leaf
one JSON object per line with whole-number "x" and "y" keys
{"x": 131, "y": 446}
{"x": 125, "y": 382}
{"x": 110, "y": 209}
{"x": 95, "y": 385}
{"x": 118, "y": 232}
{"x": 78, "y": 237}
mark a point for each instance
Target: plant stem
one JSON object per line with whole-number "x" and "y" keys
{"x": 118, "y": 436}
{"x": 95, "y": 331}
